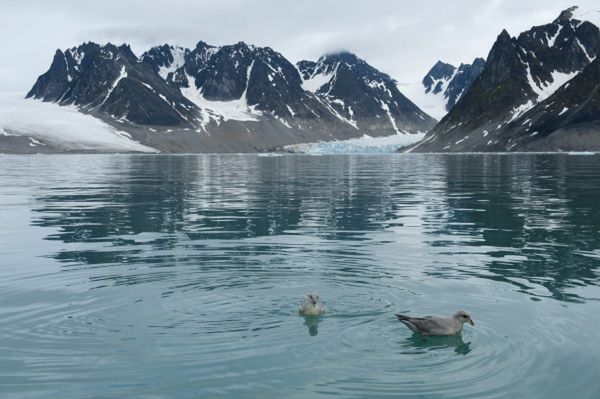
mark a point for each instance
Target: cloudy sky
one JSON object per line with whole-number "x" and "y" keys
{"x": 402, "y": 38}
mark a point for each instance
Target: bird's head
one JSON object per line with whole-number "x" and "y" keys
{"x": 312, "y": 298}
{"x": 464, "y": 317}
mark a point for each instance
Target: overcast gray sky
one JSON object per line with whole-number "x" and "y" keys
{"x": 402, "y": 38}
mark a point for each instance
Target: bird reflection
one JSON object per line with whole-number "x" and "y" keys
{"x": 312, "y": 322}
{"x": 435, "y": 343}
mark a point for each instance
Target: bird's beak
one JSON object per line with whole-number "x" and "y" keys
{"x": 471, "y": 322}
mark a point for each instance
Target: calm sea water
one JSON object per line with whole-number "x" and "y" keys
{"x": 180, "y": 276}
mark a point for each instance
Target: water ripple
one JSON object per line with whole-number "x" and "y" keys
{"x": 180, "y": 276}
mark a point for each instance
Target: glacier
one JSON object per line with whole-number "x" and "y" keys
{"x": 45, "y": 123}
{"x": 362, "y": 145}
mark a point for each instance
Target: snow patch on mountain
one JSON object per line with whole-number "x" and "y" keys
{"x": 544, "y": 91}
{"x": 122, "y": 75}
{"x": 330, "y": 105}
{"x": 552, "y": 40}
{"x": 316, "y": 81}
{"x": 61, "y": 126}
{"x": 385, "y": 107}
{"x": 520, "y": 110}
{"x": 432, "y": 104}
{"x": 220, "y": 111}
{"x": 178, "y": 54}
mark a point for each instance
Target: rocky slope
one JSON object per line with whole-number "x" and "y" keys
{"x": 569, "y": 120}
{"x": 518, "y": 74}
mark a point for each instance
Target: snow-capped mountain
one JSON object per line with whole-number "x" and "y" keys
{"x": 248, "y": 83}
{"x": 361, "y": 95}
{"x": 519, "y": 73}
{"x": 237, "y": 97}
{"x": 110, "y": 81}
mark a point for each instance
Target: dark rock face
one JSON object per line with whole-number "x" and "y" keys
{"x": 139, "y": 104}
{"x": 306, "y": 68}
{"x": 224, "y": 78}
{"x": 518, "y": 74}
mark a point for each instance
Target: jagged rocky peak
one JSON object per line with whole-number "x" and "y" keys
{"x": 71, "y": 72}
{"x": 109, "y": 79}
{"x": 566, "y": 15}
{"x": 187, "y": 64}
{"x": 565, "y": 36}
{"x": 439, "y": 74}
{"x": 174, "y": 63}
{"x": 230, "y": 71}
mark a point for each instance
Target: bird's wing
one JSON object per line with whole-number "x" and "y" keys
{"x": 407, "y": 322}
{"x": 429, "y": 324}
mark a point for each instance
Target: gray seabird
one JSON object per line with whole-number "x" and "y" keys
{"x": 312, "y": 305}
{"x": 437, "y": 325}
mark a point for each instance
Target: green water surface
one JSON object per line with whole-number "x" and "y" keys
{"x": 136, "y": 276}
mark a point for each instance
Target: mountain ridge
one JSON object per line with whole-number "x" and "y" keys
{"x": 228, "y": 95}
{"x": 244, "y": 98}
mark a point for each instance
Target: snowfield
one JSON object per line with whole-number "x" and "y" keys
{"x": 62, "y": 126}
{"x": 433, "y": 105}
{"x": 362, "y": 145}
